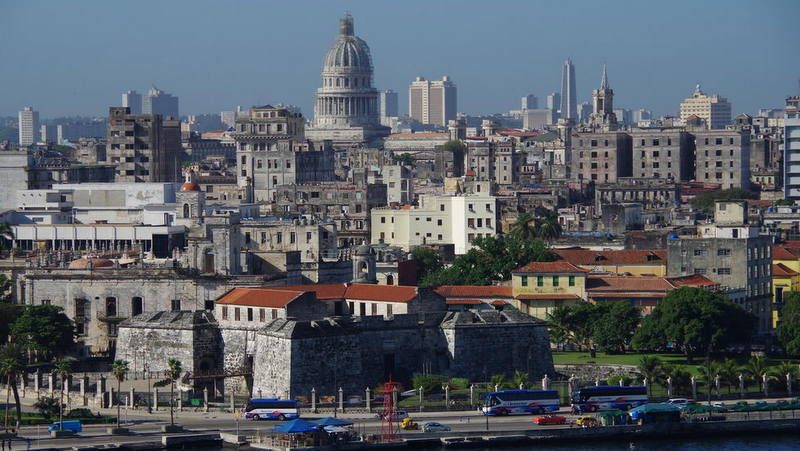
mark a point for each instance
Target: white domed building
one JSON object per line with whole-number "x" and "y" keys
{"x": 347, "y": 109}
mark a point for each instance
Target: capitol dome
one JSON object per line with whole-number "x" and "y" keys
{"x": 347, "y": 98}
{"x": 348, "y": 52}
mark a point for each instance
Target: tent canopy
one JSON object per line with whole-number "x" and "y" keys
{"x": 330, "y": 421}
{"x": 295, "y": 427}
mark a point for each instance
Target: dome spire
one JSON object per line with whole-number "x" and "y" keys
{"x": 346, "y": 25}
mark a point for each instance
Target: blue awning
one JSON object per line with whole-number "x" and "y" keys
{"x": 330, "y": 421}
{"x": 295, "y": 427}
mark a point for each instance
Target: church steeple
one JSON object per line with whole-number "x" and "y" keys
{"x": 604, "y": 79}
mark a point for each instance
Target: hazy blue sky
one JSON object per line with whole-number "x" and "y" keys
{"x": 76, "y": 57}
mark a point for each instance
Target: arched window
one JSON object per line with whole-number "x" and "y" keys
{"x": 390, "y": 280}
{"x": 362, "y": 267}
{"x": 185, "y": 210}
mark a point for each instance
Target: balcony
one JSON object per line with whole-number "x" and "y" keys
{"x": 110, "y": 317}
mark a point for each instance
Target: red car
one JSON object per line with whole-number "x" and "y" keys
{"x": 550, "y": 420}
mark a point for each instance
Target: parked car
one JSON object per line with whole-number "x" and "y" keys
{"x": 433, "y": 426}
{"x": 550, "y": 420}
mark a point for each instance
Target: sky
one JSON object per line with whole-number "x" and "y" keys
{"x": 77, "y": 57}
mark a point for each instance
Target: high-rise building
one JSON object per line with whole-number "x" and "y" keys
{"x": 791, "y": 149}
{"x": 159, "y": 102}
{"x": 603, "y": 105}
{"x": 722, "y": 156}
{"x": 388, "y": 103}
{"x": 714, "y": 110}
{"x": 347, "y": 110}
{"x": 144, "y": 147}
{"x": 28, "y": 126}
{"x": 132, "y": 100}
{"x": 641, "y": 115}
{"x": 432, "y": 101}
{"x": 662, "y": 153}
{"x": 569, "y": 102}
{"x": 554, "y": 101}
{"x": 529, "y": 102}
{"x": 624, "y": 116}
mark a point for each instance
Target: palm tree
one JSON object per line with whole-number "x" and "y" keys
{"x": 525, "y": 228}
{"x": 12, "y": 366}
{"x": 63, "y": 370}
{"x": 520, "y": 378}
{"x": 651, "y": 368}
{"x": 779, "y": 371}
{"x": 755, "y": 367}
{"x": 708, "y": 373}
{"x": 729, "y": 373}
{"x": 174, "y": 371}
{"x": 119, "y": 369}
{"x": 549, "y": 228}
{"x": 498, "y": 380}
{"x": 681, "y": 379}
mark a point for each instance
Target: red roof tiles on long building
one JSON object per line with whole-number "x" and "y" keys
{"x": 580, "y": 256}
{"x": 474, "y": 291}
{"x": 558, "y": 266}
{"x": 259, "y": 297}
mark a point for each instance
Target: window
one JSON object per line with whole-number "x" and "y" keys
{"x": 176, "y": 305}
{"x": 699, "y": 252}
{"x": 292, "y": 237}
{"x": 724, "y": 271}
{"x": 572, "y": 281}
{"x": 700, "y": 271}
{"x": 555, "y": 281}
{"x": 441, "y": 207}
{"x": 524, "y": 281}
{"x": 722, "y": 252}
{"x": 539, "y": 281}
{"x": 249, "y": 314}
{"x": 111, "y": 306}
{"x": 383, "y": 219}
{"x": 236, "y": 314}
{"x": 438, "y": 222}
{"x": 374, "y": 308}
{"x": 224, "y": 312}
{"x": 388, "y": 308}
{"x": 137, "y": 306}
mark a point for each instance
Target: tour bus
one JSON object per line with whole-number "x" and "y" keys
{"x": 270, "y": 409}
{"x": 515, "y": 402}
{"x": 609, "y": 397}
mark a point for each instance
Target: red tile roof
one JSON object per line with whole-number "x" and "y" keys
{"x": 597, "y": 284}
{"x": 785, "y": 251}
{"x": 545, "y": 297}
{"x": 474, "y": 291}
{"x": 324, "y": 291}
{"x": 692, "y": 280}
{"x": 558, "y": 266}
{"x": 782, "y": 270}
{"x": 580, "y": 256}
{"x": 259, "y": 297}
{"x": 382, "y": 293}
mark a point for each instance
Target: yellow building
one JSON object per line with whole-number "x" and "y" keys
{"x": 785, "y": 276}
{"x": 620, "y": 262}
{"x": 540, "y": 287}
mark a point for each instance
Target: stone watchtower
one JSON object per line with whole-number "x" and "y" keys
{"x": 364, "y": 265}
{"x": 190, "y": 201}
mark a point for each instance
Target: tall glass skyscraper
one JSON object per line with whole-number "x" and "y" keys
{"x": 569, "y": 103}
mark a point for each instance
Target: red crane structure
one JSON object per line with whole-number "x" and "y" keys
{"x": 389, "y": 426}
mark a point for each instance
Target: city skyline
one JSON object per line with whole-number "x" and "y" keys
{"x": 84, "y": 74}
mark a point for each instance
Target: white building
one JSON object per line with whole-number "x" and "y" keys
{"x": 132, "y": 100}
{"x": 28, "y": 126}
{"x": 456, "y": 219}
{"x": 791, "y": 149}
{"x": 715, "y": 110}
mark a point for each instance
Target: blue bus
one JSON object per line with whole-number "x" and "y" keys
{"x": 270, "y": 409}
{"x": 607, "y": 397}
{"x": 520, "y": 402}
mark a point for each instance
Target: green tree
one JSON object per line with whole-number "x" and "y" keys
{"x": 491, "y": 259}
{"x": 498, "y": 380}
{"x": 549, "y": 227}
{"x": 520, "y": 377}
{"x": 615, "y": 328}
{"x": 681, "y": 379}
{"x": 755, "y": 368}
{"x": 404, "y": 159}
{"x": 8, "y": 313}
{"x": 652, "y": 369}
{"x": 705, "y": 201}
{"x": 428, "y": 261}
{"x": 789, "y": 326}
{"x": 63, "y": 369}
{"x": 12, "y": 368}
{"x": 708, "y": 374}
{"x": 525, "y": 227}
{"x": 779, "y": 371}
{"x": 430, "y": 383}
{"x": 47, "y": 406}
{"x": 174, "y": 370}
{"x": 119, "y": 368}
{"x": 696, "y": 322}
{"x": 44, "y": 331}
{"x": 784, "y": 203}
{"x": 729, "y": 373}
